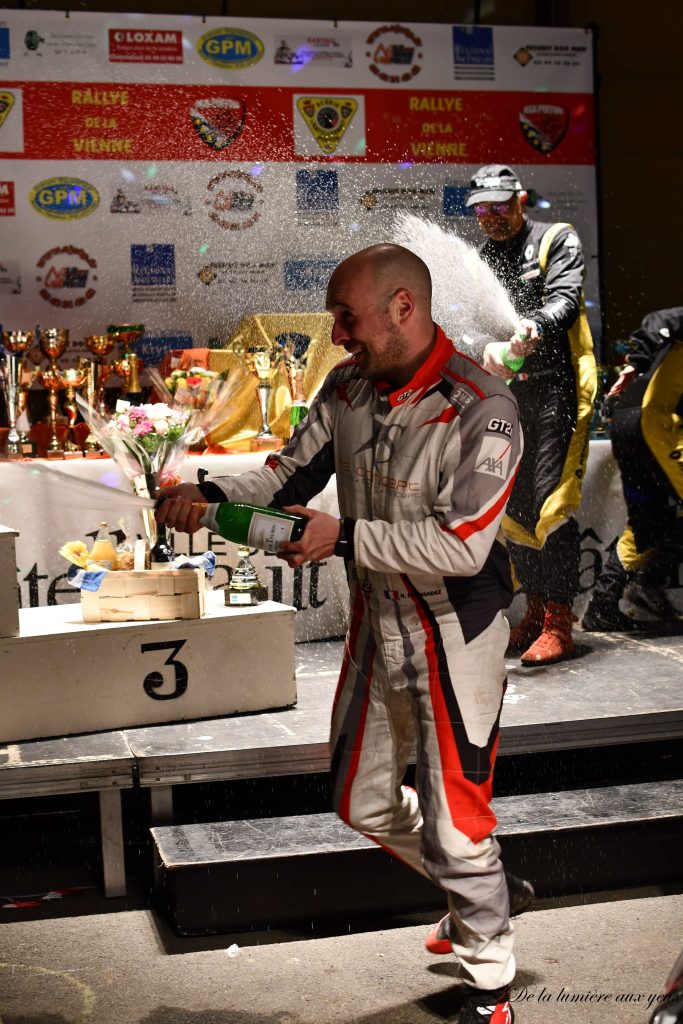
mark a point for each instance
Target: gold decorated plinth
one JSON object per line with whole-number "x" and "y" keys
{"x": 131, "y": 596}
{"x": 240, "y": 431}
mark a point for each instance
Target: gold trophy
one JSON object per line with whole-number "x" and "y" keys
{"x": 53, "y": 341}
{"x": 16, "y": 345}
{"x": 73, "y": 380}
{"x": 244, "y": 587}
{"x": 295, "y": 351}
{"x": 129, "y": 366}
{"x": 99, "y": 345}
{"x": 261, "y": 360}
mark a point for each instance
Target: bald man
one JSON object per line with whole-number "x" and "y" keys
{"x": 425, "y": 445}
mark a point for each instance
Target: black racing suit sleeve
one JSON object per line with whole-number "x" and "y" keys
{"x": 646, "y": 342}
{"x": 563, "y": 285}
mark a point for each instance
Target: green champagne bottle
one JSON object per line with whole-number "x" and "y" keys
{"x": 298, "y": 412}
{"x": 257, "y": 527}
{"x": 512, "y": 362}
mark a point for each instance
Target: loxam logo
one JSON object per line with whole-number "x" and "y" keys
{"x": 64, "y": 198}
{"x": 230, "y": 48}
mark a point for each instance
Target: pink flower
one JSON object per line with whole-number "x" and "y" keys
{"x": 143, "y": 427}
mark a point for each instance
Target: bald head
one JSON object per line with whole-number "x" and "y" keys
{"x": 380, "y": 299}
{"x": 388, "y": 268}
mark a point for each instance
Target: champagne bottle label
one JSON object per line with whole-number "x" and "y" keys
{"x": 268, "y": 532}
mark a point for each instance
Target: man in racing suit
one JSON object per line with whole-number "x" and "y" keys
{"x": 541, "y": 266}
{"x": 425, "y": 444}
{"x": 647, "y": 441}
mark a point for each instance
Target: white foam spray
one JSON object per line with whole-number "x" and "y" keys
{"x": 468, "y": 300}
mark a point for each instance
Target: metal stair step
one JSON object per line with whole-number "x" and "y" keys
{"x": 237, "y": 875}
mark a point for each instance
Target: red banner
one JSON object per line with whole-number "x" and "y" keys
{"x": 105, "y": 121}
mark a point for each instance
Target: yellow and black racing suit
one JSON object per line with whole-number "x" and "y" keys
{"x": 542, "y": 269}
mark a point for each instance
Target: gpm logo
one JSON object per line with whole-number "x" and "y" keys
{"x": 230, "y": 48}
{"x": 64, "y": 198}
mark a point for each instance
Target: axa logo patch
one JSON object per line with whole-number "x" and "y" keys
{"x": 493, "y": 458}
{"x": 498, "y": 426}
{"x": 230, "y": 48}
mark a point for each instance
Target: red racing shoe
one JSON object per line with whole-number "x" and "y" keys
{"x": 522, "y": 895}
{"x": 482, "y": 1007}
{"x": 439, "y": 939}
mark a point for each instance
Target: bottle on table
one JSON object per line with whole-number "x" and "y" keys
{"x": 162, "y": 554}
{"x": 257, "y": 527}
{"x": 102, "y": 552}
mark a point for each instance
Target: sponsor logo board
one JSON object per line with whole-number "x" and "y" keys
{"x": 153, "y": 273}
{"x": 66, "y": 276}
{"x": 394, "y": 53}
{"x": 145, "y": 46}
{"x": 473, "y": 52}
{"x": 230, "y": 48}
{"x": 308, "y": 274}
{"x": 544, "y": 125}
{"x": 329, "y": 125}
{"x": 317, "y": 197}
{"x": 300, "y": 51}
{"x": 153, "y": 348}
{"x": 11, "y": 121}
{"x": 400, "y": 198}
{"x": 235, "y": 200}
{"x": 10, "y": 277}
{"x": 7, "y": 208}
{"x": 233, "y": 272}
{"x": 218, "y": 122}
{"x": 64, "y": 198}
{"x": 156, "y": 197}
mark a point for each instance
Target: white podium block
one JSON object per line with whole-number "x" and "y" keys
{"x": 9, "y": 594}
{"x": 62, "y": 676}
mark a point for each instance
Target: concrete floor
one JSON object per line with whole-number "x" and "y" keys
{"x": 128, "y": 968}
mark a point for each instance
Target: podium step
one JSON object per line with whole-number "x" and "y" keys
{"x": 293, "y": 871}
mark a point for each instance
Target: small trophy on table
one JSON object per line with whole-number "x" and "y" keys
{"x": 295, "y": 351}
{"x": 53, "y": 341}
{"x": 73, "y": 380}
{"x": 129, "y": 366}
{"x": 15, "y": 344}
{"x": 245, "y": 587}
{"x": 262, "y": 360}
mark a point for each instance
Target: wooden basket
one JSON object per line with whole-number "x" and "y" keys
{"x": 129, "y": 596}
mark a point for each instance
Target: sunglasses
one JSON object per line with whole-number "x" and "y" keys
{"x": 482, "y": 208}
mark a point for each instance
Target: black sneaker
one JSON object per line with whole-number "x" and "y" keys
{"x": 522, "y": 894}
{"x": 645, "y": 602}
{"x": 608, "y": 619}
{"x": 487, "y": 1007}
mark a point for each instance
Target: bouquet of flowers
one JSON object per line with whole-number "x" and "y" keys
{"x": 196, "y": 387}
{"x": 149, "y": 442}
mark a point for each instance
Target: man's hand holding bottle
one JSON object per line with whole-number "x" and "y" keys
{"x": 183, "y": 506}
{"x": 506, "y": 358}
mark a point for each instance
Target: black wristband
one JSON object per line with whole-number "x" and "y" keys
{"x": 344, "y": 546}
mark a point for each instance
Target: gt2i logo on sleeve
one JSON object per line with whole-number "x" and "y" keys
{"x": 493, "y": 458}
{"x": 498, "y": 426}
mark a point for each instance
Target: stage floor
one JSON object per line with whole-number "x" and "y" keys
{"x": 618, "y": 689}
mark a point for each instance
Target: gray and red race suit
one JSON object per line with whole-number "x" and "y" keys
{"x": 423, "y": 478}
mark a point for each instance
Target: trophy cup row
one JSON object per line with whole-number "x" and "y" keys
{"x": 263, "y": 359}
{"x": 22, "y": 347}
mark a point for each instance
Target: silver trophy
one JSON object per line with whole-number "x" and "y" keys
{"x": 16, "y": 344}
